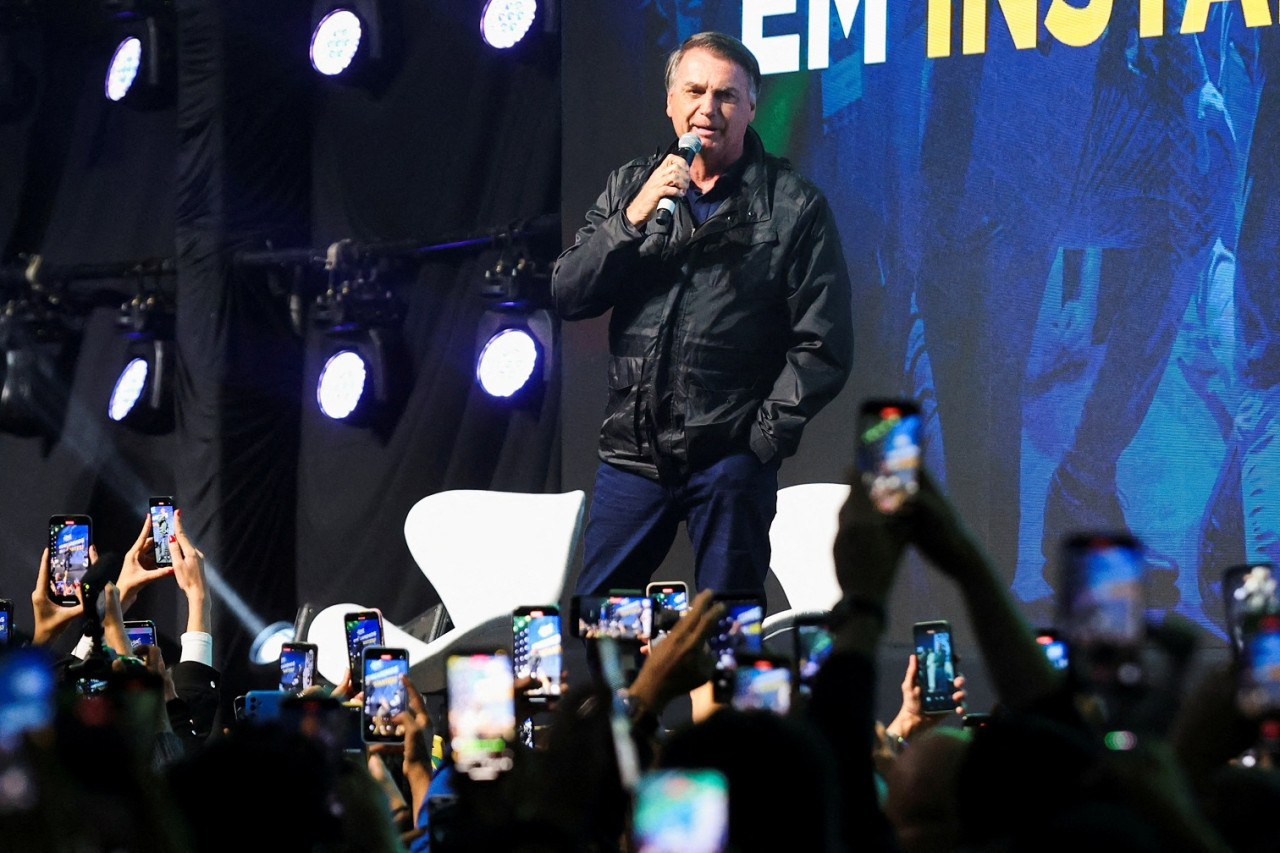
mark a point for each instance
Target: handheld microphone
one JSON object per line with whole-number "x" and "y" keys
{"x": 688, "y": 148}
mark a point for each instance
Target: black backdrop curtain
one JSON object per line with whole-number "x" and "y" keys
{"x": 257, "y": 154}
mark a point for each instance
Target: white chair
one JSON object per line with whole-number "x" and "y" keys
{"x": 802, "y": 537}
{"x": 485, "y": 553}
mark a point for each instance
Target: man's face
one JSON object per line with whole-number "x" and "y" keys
{"x": 711, "y": 97}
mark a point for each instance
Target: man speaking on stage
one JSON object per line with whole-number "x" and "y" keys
{"x": 731, "y": 327}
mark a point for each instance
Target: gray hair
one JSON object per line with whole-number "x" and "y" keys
{"x": 724, "y": 46}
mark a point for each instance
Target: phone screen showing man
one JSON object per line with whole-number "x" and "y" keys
{"x": 536, "y": 651}
{"x": 364, "y": 628}
{"x": 162, "y": 527}
{"x": 384, "y": 692}
{"x": 68, "y": 557}
{"x": 739, "y": 630}
{"x": 936, "y": 667}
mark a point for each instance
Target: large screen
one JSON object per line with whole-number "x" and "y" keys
{"x": 1058, "y": 221}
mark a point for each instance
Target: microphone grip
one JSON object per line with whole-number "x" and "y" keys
{"x": 666, "y": 208}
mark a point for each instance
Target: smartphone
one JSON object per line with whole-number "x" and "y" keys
{"x": 6, "y": 621}
{"x": 681, "y": 811}
{"x": 142, "y": 632}
{"x": 935, "y": 666}
{"x": 297, "y": 666}
{"x": 69, "y": 540}
{"x": 1248, "y": 589}
{"x": 480, "y": 689}
{"x": 385, "y": 695}
{"x": 1054, "y": 647}
{"x": 974, "y": 721}
{"x": 738, "y": 630}
{"x": 363, "y": 628}
{"x": 812, "y": 646}
{"x": 162, "y": 526}
{"x": 762, "y": 681}
{"x": 888, "y": 452}
{"x": 618, "y": 616}
{"x": 325, "y": 719}
{"x": 28, "y": 700}
{"x": 1102, "y": 607}
{"x": 670, "y": 601}
{"x": 263, "y": 706}
{"x": 1258, "y": 678}
{"x": 536, "y": 649}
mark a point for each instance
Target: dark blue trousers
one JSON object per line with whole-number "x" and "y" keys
{"x": 727, "y": 509}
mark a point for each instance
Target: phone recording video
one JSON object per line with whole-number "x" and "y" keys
{"x": 935, "y": 666}
{"x": 482, "y": 715}
{"x": 162, "y": 527}
{"x": 363, "y": 628}
{"x": 1248, "y": 592}
{"x": 888, "y": 452}
{"x": 739, "y": 630}
{"x": 297, "y": 666}
{"x": 69, "y": 540}
{"x": 681, "y": 811}
{"x": 762, "y": 682}
{"x": 1102, "y": 608}
{"x": 6, "y": 620}
{"x": 617, "y": 616}
{"x": 27, "y": 695}
{"x": 536, "y": 650}
{"x": 142, "y": 632}
{"x": 1258, "y": 685}
{"x": 812, "y": 639}
{"x": 324, "y": 719}
{"x": 1054, "y": 647}
{"x": 384, "y": 693}
{"x": 670, "y": 601}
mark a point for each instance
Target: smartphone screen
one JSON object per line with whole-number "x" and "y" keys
{"x": 681, "y": 811}
{"x": 482, "y": 713}
{"x": 1054, "y": 647}
{"x": 536, "y": 650}
{"x": 812, "y": 648}
{"x": 27, "y": 694}
{"x": 935, "y": 666}
{"x": 297, "y": 666}
{"x": 1258, "y": 687}
{"x": 162, "y": 526}
{"x": 738, "y": 630}
{"x": 141, "y": 632}
{"x": 670, "y": 601}
{"x": 762, "y": 682}
{"x": 6, "y": 617}
{"x": 384, "y": 693}
{"x": 1248, "y": 590}
{"x": 888, "y": 452}
{"x": 69, "y": 540}
{"x": 364, "y": 628}
{"x": 1103, "y": 597}
{"x": 325, "y": 719}
{"x": 619, "y": 617}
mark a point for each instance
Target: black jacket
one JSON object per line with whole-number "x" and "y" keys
{"x": 724, "y": 338}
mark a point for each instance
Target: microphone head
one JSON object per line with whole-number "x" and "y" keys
{"x": 690, "y": 141}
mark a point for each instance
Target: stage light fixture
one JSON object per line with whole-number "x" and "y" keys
{"x": 265, "y": 648}
{"x": 505, "y": 22}
{"x": 142, "y": 68}
{"x": 362, "y": 380}
{"x": 35, "y": 377}
{"x": 514, "y": 354}
{"x": 142, "y": 397}
{"x": 354, "y": 41}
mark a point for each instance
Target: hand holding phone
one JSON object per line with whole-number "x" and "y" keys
{"x": 297, "y": 666}
{"x": 1102, "y": 607}
{"x": 363, "y": 628}
{"x": 935, "y": 666}
{"x": 385, "y": 696}
{"x": 739, "y": 630}
{"x": 536, "y": 650}
{"x": 482, "y": 713}
{"x": 142, "y": 632}
{"x": 69, "y": 539}
{"x": 762, "y": 682}
{"x": 617, "y": 616}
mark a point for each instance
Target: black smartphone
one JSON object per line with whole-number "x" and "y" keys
{"x": 480, "y": 689}
{"x": 974, "y": 721}
{"x": 762, "y": 681}
{"x": 684, "y": 810}
{"x": 670, "y": 601}
{"x": 536, "y": 649}
{"x": 324, "y": 718}
{"x": 1054, "y": 647}
{"x": 69, "y": 539}
{"x": 1248, "y": 590}
{"x": 297, "y": 666}
{"x": 618, "y": 616}
{"x": 363, "y": 628}
{"x": 142, "y": 632}
{"x": 738, "y": 630}
{"x": 888, "y": 452}
{"x": 162, "y": 527}
{"x": 1258, "y": 675}
{"x": 936, "y": 668}
{"x": 811, "y": 635}
{"x": 1102, "y": 607}
{"x": 385, "y": 695}
{"x": 6, "y": 621}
